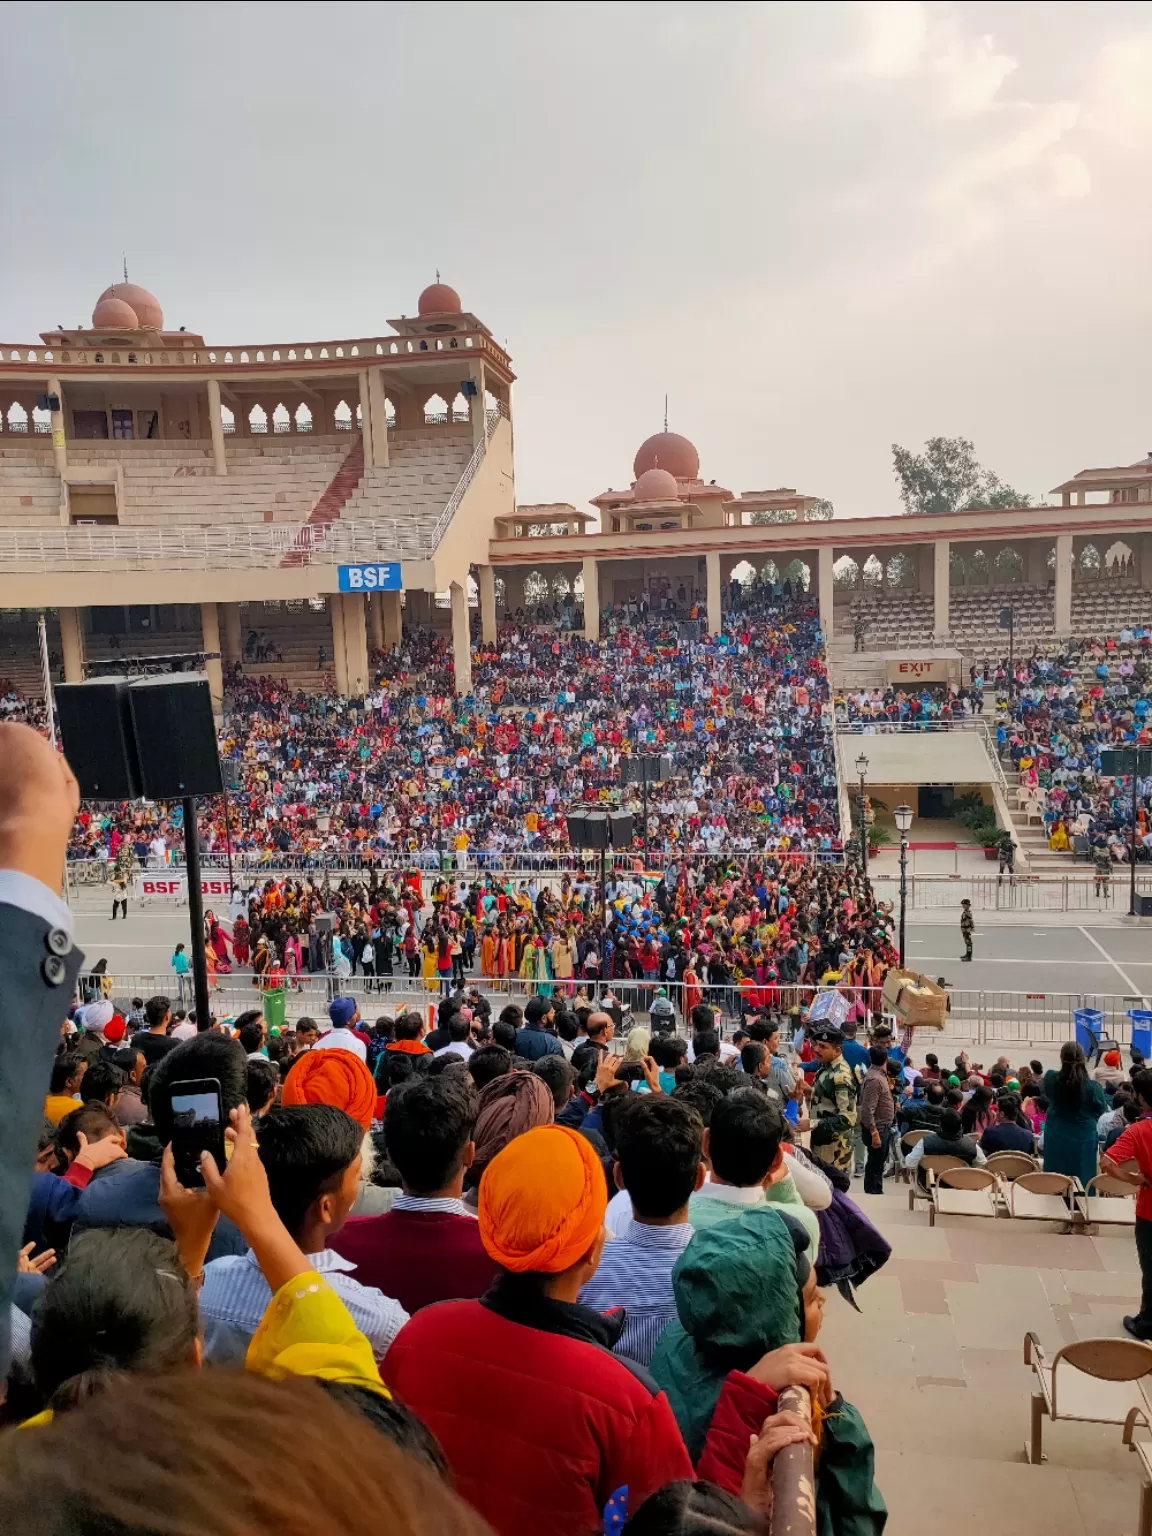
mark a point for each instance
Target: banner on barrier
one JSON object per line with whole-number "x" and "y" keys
{"x": 174, "y": 887}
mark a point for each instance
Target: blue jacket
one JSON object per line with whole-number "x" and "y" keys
{"x": 125, "y": 1194}
{"x": 533, "y": 1043}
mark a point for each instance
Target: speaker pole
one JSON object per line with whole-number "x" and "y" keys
{"x": 604, "y": 894}
{"x": 196, "y": 914}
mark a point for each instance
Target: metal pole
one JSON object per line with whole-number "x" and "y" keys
{"x": 903, "y": 890}
{"x": 46, "y": 674}
{"x": 644, "y": 799}
{"x": 196, "y": 914}
{"x": 1132, "y": 850}
{"x": 603, "y": 901}
{"x": 1011, "y": 655}
{"x": 863, "y": 831}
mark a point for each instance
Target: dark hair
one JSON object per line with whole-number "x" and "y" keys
{"x": 262, "y": 1080}
{"x": 752, "y": 1057}
{"x": 536, "y": 1010}
{"x": 726, "y": 1078}
{"x": 95, "y": 1120}
{"x": 65, "y": 1066}
{"x": 86, "y": 1473}
{"x": 207, "y": 1055}
{"x": 666, "y": 1051}
{"x": 394, "y": 1068}
{"x": 1142, "y": 1083}
{"x": 877, "y": 1055}
{"x": 504, "y": 1035}
{"x": 701, "y": 1094}
{"x": 512, "y": 1014}
{"x": 384, "y": 1027}
{"x": 950, "y": 1125}
{"x": 702, "y": 1017}
{"x": 1072, "y": 1077}
{"x": 489, "y": 1062}
{"x": 558, "y": 1073}
{"x": 393, "y": 1420}
{"x": 304, "y": 1022}
{"x": 101, "y": 1081}
{"x": 157, "y": 1008}
{"x": 1008, "y": 1107}
{"x": 658, "y": 1146}
{"x": 744, "y": 1137}
{"x": 120, "y": 1302}
{"x": 428, "y": 1124}
{"x": 459, "y": 1028}
{"x": 934, "y": 1093}
{"x": 251, "y": 1035}
{"x": 693, "y": 1509}
{"x": 586, "y": 1063}
{"x": 564, "y": 1023}
{"x": 705, "y": 1042}
{"x": 305, "y": 1149}
{"x": 408, "y": 1026}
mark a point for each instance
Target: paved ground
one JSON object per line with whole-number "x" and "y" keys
{"x": 935, "y": 1365}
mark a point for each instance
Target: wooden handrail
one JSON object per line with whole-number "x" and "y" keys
{"x": 794, "y": 1475}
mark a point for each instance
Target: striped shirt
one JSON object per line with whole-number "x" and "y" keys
{"x": 635, "y": 1273}
{"x": 442, "y": 1205}
{"x": 235, "y": 1296}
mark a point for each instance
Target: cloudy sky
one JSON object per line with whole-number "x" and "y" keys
{"x": 820, "y": 228}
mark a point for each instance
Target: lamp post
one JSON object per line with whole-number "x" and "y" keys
{"x": 903, "y": 815}
{"x": 861, "y": 805}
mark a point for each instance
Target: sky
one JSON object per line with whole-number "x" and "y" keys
{"x": 818, "y": 228}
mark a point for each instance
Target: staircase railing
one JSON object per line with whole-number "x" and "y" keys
{"x": 492, "y": 420}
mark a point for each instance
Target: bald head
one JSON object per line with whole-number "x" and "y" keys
{"x": 601, "y": 1027}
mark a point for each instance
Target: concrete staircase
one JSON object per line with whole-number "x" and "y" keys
{"x": 851, "y": 671}
{"x": 299, "y": 632}
{"x": 330, "y": 505}
{"x": 416, "y": 486}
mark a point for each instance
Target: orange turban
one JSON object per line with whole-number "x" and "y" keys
{"x": 333, "y": 1077}
{"x": 542, "y": 1201}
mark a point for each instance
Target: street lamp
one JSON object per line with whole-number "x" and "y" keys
{"x": 903, "y": 815}
{"x": 861, "y": 806}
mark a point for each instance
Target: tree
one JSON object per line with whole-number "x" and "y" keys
{"x": 946, "y": 477}
{"x": 822, "y": 512}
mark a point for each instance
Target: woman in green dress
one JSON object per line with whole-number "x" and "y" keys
{"x": 1075, "y": 1103}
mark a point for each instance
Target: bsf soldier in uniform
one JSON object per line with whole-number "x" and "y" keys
{"x": 832, "y": 1110}
{"x": 967, "y": 925}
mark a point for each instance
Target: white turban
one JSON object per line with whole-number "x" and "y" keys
{"x": 97, "y": 1015}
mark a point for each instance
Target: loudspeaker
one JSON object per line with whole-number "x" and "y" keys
{"x": 588, "y": 829}
{"x": 175, "y": 736}
{"x": 468, "y": 388}
{"x": 325, "y": 922}
{"x": 621, "y": 829}
{"x": 99, "y": 743}
{"x": 1007, "y": 618}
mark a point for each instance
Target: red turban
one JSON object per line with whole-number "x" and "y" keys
{"x": 334, "y": 1077}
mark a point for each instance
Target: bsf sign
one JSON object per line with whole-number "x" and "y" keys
{"x": 370, "y": 578}
{"x": 174, "y": 887}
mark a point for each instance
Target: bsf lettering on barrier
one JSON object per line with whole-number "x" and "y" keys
{"x": 175, "y": 887}
{"x": 369, "y": 578}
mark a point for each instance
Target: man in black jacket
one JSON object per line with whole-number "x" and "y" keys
{"x": 536, "y": 1040}
{"x": 921, "y": 1114}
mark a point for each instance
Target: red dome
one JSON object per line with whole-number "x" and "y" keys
{"x": 114, "y": 315}
{"x": 656, "y": 485}
{"x": 149, "y": 315}
{"x": 438, "y": 299}
{"x": 670, "y": 451}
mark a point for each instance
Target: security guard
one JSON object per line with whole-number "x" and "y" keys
{"x": 967, "y": 925}
{"x": 833, "y": 1107}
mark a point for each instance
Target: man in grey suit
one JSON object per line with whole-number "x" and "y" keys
{"x": 39, "y": 798}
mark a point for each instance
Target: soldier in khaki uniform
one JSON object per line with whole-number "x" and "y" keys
{"x": 833, "y": 1107}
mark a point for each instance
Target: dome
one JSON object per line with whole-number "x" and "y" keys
{"x": 149, "y": 315}
{"x": 655, "y": 485}
{"x": 670, "y": 451}
{"x": 114, "y": 315}
{"x": 438, "y": 299}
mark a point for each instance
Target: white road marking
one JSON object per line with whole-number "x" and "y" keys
{"x": 1124, "y": 977}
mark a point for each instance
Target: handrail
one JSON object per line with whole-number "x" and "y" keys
{"x": 793, "y": 1473}
{"x": 154, "y": 349}
{"x": 491, "y": 422}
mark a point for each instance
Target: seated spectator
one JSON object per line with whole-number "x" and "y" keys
{"x": 659, "y": 1161}
{"x": 1109, "y": 1072}
{"x": 531, "y": 1360}
{"x": 130, "y": 1106}
{"x": 948, "y": 1141}
{"x": 102, "y": 1084}
{"x": 427, "y": 1248}
{"x": 64, "y": 1086}
{"x": 916, "y": 1114}
{"x": 1132, "y": 1112}
{"x": 1011, "y": 1131}
{"x": 746, "y": 1163}
{"x": 979, "y": 1113}
{"x": 748, "y": 1314}
{"x": 311, "y": 1154}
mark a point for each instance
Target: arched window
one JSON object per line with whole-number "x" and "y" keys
{"x": 561, "y": 586}
{"x": 744, "y": 573}
{"x": 769, "y": 571}
{"x": 1008, "y": 567}
{"x": 979, "y": 567}
{"x": 389, "y": 414}
{"x": 1088, "y": 562}
{"x": 41, "y": 420}
{"x": 536, "y": 588}
{"x": 459, "y": 408}
{"x": 900, "y": 571}
{"x": 17, "y": 417}
{"x": 872, "y": 573}
{"x": 227, "y": 419}
{"x": 845, "y": 572}
{"x": 435, "y": 411}
{"x": 281, "y": 421}
{"x": 343, "y": 417}
{"x": 500, "y": 586}
{"x": 257, "y": 420}
{"x": 798, "y": 573}
{"x": 1118, "y": 559}
{"x": 957, "y": 568}
{"x": 303, "y": 418}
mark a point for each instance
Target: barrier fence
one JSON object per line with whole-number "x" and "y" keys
{"x": 975, "y": 1017}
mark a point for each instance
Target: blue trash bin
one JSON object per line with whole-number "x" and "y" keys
{"x": 1141, "y": 1030}
{"x": 1085, "y": 1020}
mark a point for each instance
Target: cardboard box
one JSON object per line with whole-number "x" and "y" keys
{"x": 915, "y": 1000}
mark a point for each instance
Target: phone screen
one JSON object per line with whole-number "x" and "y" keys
{"x": 197, "y": 1126}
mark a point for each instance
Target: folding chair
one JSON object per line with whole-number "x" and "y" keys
{"x": 1044, "y": 1197}
{"x": 1100, "y": 1205}
{"x": 904, "y": 1146}
{"x": 1143, "y": 1449}
{"x": 1010, "y": 1165}
{"x": 1100, "y": 1044}
{"x": 1095, "y": 1381}
{"x": 932, "y": 1166}
{"x": 964, "y": 1192}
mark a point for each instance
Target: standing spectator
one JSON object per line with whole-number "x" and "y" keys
{"x": 1135, "y": 1143}
{"x": 1075, "y": 1104}
{"x": 876, "y": 1116}
{"x": 154, "y": 1040}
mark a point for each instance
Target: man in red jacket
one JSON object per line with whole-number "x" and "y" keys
{"x": 427, "y": 1247}
{"x": 541, "y": 1424}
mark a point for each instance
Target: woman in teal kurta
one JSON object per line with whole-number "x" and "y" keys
{"x": 1075, "y": 1103}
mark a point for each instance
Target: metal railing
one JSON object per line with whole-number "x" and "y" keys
{"x": 491, "y": 422}
{"x": 149, "y": 350}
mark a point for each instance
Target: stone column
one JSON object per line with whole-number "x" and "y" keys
{"x": 376, "y": 620}
{"x": 476, "y": 408}
{"x": 356, "y": 645}
{"x": 925, "y": 567}
{"x": 1036, "y": 562}
{"x": 419, "y": 605}
{"x": 513, "y": 588}
{"x": 59, "y": 446}
{"x": 72, "y": 644}
{"x": 941, "y": 587}
{"x": 486, "y": 581}
{"x": 216, "y": 426}
{"x": 233, "y": 632}
{"x": 379, "y": 417}
{"x": 393, "y": 619}
{"x": 339, "y": 658}
{"x": 210, "y": 640}
{"x": 591, "y": 571}
{"x": 365, "y": 417}
{"x": 826, "y": 557}
{"x": 461, "y": 640}
{"x": 1063, "y": 610}
{"x": 712, "y": 591}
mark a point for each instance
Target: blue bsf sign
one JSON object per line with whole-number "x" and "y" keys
{"x": 370, "y": 578}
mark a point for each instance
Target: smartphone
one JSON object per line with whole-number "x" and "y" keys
{"x": 197, "y": 1126}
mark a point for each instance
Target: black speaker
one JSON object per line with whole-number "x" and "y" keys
{"x": 96, "y": 730}
{"x": 1143, "y": 906}
{"x": 468, "y": 388}
{"x": 588, "y": 829}
{"x": 621, "y": 829}
{"x": 175, "y": 736}
{"x": 325, "y": 922}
